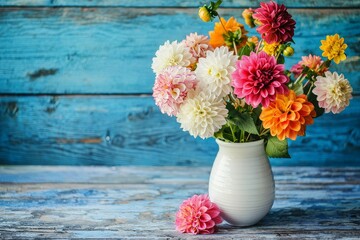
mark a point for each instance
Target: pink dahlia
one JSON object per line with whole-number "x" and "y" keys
{"x": 198, "y": 45}
{"x": 171, "y": 88}
{"x": 258, "y": 78}
{"x": 312, "y": 61}
{"x": 276, "y": 24}
{"x": 198, "y": 215}
{"x": 297, "y": 69}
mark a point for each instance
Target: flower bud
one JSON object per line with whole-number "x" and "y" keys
{"x": 257, "y": 22}
{"x": 289, "y": 51}
{"x": 247, "y": 15}
{"x": 239, "y": 103}
{"x": 253, "y": 41}
{"x": 204, "y": 14}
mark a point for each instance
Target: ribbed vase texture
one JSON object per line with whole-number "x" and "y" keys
{"x": 241, "y": 182}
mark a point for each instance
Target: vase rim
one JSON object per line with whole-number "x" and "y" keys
{"x": 247, "y": 144}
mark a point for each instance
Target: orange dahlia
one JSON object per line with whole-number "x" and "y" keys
{"x": 288, "y": 115}
{"x": 218, "y": 36}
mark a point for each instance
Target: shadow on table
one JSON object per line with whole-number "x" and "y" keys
{"x": 343, "y": 214}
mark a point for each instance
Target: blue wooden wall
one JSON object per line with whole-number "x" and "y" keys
{"x": 75, "y": 82}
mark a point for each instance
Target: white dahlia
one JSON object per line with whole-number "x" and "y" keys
{"x": 333, "y": 92}
{"x": 214, "y": 71}
{"x": 171, "y": 54}
{"x": 202, "y": 115}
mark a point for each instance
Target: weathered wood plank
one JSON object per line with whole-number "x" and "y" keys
{"x": 109, "y": 50}
{"x": 115, "y": 130}
{"x": 174, "y": 3}
{"x": 127, "y": 175}
{"x": 100, "y": 202}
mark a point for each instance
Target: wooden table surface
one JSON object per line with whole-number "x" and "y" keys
{"x": 141, "y": 202}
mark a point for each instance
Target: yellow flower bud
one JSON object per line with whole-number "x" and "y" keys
{"x": 254, "y": 40}
{"x": 257, "y": 22}
{"x": 204, "y": 14}
{"x": 247, "y": 15}
{"x": 288, "y": 52}
{"x": 239, "y": 103}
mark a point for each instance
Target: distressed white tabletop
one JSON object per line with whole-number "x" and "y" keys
{"x": 141, "y": 202}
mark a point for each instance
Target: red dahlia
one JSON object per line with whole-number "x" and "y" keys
{"x": 276, "y": 24}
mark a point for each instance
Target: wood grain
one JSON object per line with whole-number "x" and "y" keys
{"x": 141, "y": 202}
{"x": 174, "y": 3}
{"x": 95, "y": 56}
{"x": 109, "y": 50}
{"x": 116, "y": 130}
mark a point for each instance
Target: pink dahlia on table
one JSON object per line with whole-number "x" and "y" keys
{"x": 258, "y": 78}
{"x": 198, "y": 215}
{"x": 333, "y": 92}
{"x": 313, "y": 62}
{"x": 171, "y": 88}
{"x": 276, "y": 24}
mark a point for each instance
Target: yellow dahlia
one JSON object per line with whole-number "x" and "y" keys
{"x": 271, "y": 48}
{"x": 334, "y": 48}
{"x": 288, "y": 115}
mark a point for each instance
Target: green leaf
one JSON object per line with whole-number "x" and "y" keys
{"x": 217, "y": 4}
{"x": 276, "y": 148}
{"x": 312, "y": 98}
{"x": 245, "y": 122}
{"x": 246, "y": 50}
{"x": 224, "y": 134}
{"x": 281, "y": 59}
{"x": 298, "y": 88}
{"x": 231, "y": 108}
{"x": 256, "y": 112}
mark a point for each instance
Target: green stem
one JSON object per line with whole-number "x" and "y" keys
{"x": 242, "y": 136}
{"x": 235, "y": 48}
{"x": 278, "y": 55}
{"x": 310, "y": 88}
{"x": 299, "y": 79}
{"x": 247, "y": 139}
{"x": 222, "y": 23}
{"x": 250, "y": 108}
{"x": 232, "y": 133}
{"x": 263, "y": 131}
{"x": 226, "y": 32}
{"x": 306, "y": 84}
{"x": 325, "y": 64}
{"x": 232, "y": 97}
{"x": 258, "y": 46}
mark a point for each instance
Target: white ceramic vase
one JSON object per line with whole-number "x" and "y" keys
{"x": 241, "y": 182}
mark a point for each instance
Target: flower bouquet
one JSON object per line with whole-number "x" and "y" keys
{"x": 235, "y": 87}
